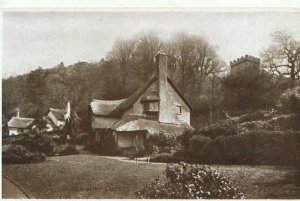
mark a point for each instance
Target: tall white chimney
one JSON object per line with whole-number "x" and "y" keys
{"x": 67, "y": 116}
{"x": 162, "y": 76}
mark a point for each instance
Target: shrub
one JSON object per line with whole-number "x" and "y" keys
{"x": 68, "y": 149}
{"x": 255, "y": 147}
{"x": 40, "y": 142}
{"x": 82, "y": 138}
{"x": 285, "y": 122}
{"x": 184, "y": 139}
{"x": 131, "y": 152}
{"x": 162, "y": 143}
{"x": 186, "y": 181}
{"x": 107, "y": 144}
{"x": 290, "y": 100}
{"x": 170, "y": 157}
{"x": 196, "y": 144}
{"x": 20, "y": 154}
{"x": 163, "y": 158}
{"x": 222, "y": 128}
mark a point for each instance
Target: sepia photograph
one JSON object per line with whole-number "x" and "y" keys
{"x": 151, "y": 103}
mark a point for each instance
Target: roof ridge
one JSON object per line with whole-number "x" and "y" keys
{"x": 23, "y": 118}
{"x": 132, "y": 98}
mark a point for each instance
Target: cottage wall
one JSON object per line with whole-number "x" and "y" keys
{"x": 138, "y": 107}
{"x": 170, "y": 114}
{"x": 99, "y": 122}
{"x": 130, "y": 139}
{"x": 17, "y": 131}
{"x": 13, "y": 131}
{"x": 168, "y": 108}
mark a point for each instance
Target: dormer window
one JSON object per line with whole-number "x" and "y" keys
{"x": 151, "y": 106}
{"x": 178, "y": 109}
{"x": 150, "y": 101}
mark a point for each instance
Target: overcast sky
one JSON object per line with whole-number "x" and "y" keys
{"x": 33, "y": 39}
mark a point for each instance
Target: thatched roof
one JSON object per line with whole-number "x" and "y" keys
{"x": 131, "y": 99}
{"x": 150, "y": 96}
{"x": 49, "y": 121}
{"x": 116, "y": 107}
{"x": 18, "y": 122}
{"x": 135, "y": 123}
{"x": 58, "y": 113}
{"x": 104, "y": 107}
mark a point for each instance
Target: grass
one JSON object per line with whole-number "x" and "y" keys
{"x": 91, "y": 176}
{"x": 265, "y": 182}
{"x": 82, "y": 176}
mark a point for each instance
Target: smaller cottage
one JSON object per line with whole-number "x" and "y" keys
{"x": 50, "y": 126}
{"x": 56, "y": 118}
{"x": 18, "y": 125}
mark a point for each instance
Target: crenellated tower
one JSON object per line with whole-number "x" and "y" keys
{"x": 244, "y": 63}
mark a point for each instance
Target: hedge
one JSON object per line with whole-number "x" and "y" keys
{"x": 20, "y": 154}
{"x": 259, "y": 148}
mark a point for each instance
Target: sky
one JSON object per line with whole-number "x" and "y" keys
{"x": 33, "y": 39}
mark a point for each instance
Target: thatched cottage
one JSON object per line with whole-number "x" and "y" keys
{"x": 18, "y": 125}
{"x": 154, "y": 108}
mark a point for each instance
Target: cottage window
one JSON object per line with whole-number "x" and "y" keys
{"x": 178, "y": 109}
{"x": 151, "y": 106}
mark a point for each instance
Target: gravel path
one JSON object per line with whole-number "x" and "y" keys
{"x": 10, "y": 190}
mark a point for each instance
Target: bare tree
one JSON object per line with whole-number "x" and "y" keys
{"x": 283, "y": 56}
{"x": 121, "y": 56}
{"x": 192, "y": 60}
{"x": 146, "y": 47}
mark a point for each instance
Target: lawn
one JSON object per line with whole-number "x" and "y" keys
{"x": 91, "y": 176}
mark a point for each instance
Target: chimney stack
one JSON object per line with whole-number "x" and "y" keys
{"x": 162, "y": 68}
{"x": 162, "y": 77}
{"x": 17, "y": 110}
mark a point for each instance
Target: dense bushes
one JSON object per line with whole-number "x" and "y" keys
{"x": 260, "y": 148}
{"x": 41, "y": 143}
{"x": 67, "y": 149}
{"x": 20, "y": 154}
{"x": 163, "y": 143}
{"x": 184, "y": 181}
{"x": 131, "y": 152}
{"x": 82, "y": 138}
{"x": 225, "y": 128}
{"x": 28, "y": 148}
{"x": 290, "y": 100}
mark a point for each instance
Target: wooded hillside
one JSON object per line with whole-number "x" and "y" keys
{"x": 194, "y": 65}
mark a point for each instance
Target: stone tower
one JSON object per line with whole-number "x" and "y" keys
{"x": 245, "y": 63}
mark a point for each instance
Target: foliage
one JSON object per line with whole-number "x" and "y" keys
{"x": 20, "y": 154}
{"x": 255, "y": 147}
{"x": 82, "y": 138}
{"x": 184, "y": 139}
{"x": 186, "y": 181}
{"x": 290, "y": 100}
{"x": 196, "y": 144}
{"x": 164, "y": 143}
{"x": 131, "y": 152}
{"x": 164, "y": 158}
{"x": 68, "y": 149}
{"x": 222, "y": 128}
{"x": 40, "y": 143}
{"x": 242, "y": 91}
{"x": 107, "y": 144}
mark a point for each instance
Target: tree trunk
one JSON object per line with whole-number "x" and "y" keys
{"x": 293, "y": 76}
